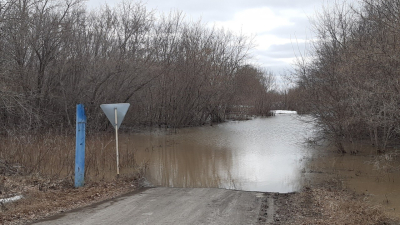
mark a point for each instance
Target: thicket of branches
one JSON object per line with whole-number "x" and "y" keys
{"x": 351, "y": 81}
{"x": 55, "y": 54}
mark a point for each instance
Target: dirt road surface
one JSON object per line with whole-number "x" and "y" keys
{"x": 170, "y": 206}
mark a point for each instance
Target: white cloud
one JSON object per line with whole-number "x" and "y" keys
{"x": 255, "y": 21}
{"x": 264, "y": 42}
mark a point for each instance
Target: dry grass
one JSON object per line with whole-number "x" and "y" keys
{"x": 53, "y": 156}
{"x": 329, "y": 204}
{"x": 41, "y": 169}
{"x": 42, "y": 198}
{"x": 341, "y": 207}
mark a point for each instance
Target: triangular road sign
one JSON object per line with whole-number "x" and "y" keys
{"x": 109, "y": 110}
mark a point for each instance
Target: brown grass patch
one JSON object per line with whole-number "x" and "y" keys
{"x": 53, "y": 156}
{"x": 41, "y": 169}
{"x": 329, "y": 204}
{"x": 42, "y": 198}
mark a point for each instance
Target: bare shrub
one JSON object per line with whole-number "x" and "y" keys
{"x": 350, "y": 79}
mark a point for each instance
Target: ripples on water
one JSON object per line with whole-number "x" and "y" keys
{"x": 263, "y": 154}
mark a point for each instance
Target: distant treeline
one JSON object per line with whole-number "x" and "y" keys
{"x": 350, "y": 80}
{"x": 56, "y": 54}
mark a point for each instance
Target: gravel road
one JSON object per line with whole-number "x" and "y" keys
{"x": 170, "y": 206}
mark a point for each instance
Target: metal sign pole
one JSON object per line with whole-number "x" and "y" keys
{"x": 116, "y": 139}
{"x": 115, "y": 114}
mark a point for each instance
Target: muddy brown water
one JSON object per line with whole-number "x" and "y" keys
{"x": 361, "y": 173}
{"x": 263, "y": 154}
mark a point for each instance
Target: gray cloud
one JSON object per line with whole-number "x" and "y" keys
{"x": 224, "y": 6}
{"x": 284, "y": 51}
{"x": 299, "y": 30}
{"x": 222, "y": 10}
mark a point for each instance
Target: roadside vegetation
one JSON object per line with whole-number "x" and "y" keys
{"x": 39, "y": 169}
{"x": 327, "y": 204}
{"x": 349, "y": 79}
{"x": 174, "y": 72}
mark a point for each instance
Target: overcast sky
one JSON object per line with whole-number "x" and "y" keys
{"x": 280, "y": 27}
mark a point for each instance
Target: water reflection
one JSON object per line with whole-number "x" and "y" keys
{"x": 263, "y": 154}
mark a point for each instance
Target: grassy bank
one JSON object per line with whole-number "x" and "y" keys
{"x": 329, "y": 204}
{"x": 40, "y": 168}
{"x": 42, "y": 197}
{"x": 53, "y": 156}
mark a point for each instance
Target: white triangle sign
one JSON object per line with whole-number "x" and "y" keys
{"x": 119, "y": 109}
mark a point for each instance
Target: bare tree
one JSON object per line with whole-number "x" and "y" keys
{"x": 56, "y": 54}
{"x": 351, "y": 85}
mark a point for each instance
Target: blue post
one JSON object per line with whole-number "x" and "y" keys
{"x": 80, "y": 146}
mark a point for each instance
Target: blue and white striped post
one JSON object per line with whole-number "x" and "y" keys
{"x": 80, "y": 146}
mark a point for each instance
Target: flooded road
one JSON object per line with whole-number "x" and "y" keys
{"x": 264, "y": 154}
